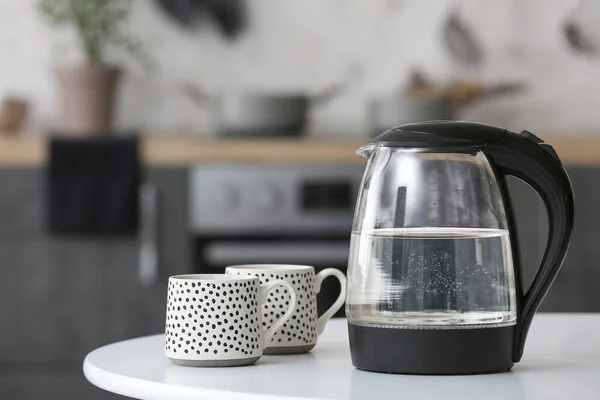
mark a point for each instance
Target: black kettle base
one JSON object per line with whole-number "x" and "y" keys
{"x": 432, "y": 351}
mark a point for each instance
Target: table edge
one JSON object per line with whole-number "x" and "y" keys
{"x": 149, "y": 390}
{"x": 152, "y": 390}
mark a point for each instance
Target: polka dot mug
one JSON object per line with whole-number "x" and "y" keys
{"x": 215, "y": 320}
{"x": 299, "y": 334}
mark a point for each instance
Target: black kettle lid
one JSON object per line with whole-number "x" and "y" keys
{"x": 432, "y": 134}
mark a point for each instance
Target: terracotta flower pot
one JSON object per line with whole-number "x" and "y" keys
{"x": 87, "y": 98}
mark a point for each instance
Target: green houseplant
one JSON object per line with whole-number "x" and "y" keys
{"x": 87, "y": 92}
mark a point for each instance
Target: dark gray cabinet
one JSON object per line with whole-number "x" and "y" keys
{"x": 577, "y": 286}
{"x": 131, "y": 308}
{"x": 51, "y": 299}
{"x": 21, "y": 202}
{"x": 578, "y": 283}
{"x": 51, "y": 384}
{"x": 174, "y": 242}
{"x": 134, "y": 308}
{"x": 63, "y": 296}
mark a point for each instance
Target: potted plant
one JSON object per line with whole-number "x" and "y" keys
{"x": 87, "y": 92}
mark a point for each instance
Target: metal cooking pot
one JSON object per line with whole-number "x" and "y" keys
{"x": 401, "y": 108}
{"x": 429, "y": 104}
{"x": 242, "y": 113}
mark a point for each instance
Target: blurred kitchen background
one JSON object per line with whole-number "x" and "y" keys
{"x": 226, "y": 135}
{"x": 310, "y": 45}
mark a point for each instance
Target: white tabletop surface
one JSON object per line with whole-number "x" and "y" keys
{"x": 561, "y": 360}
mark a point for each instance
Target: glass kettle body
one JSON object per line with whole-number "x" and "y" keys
{"x": 434, "y": 284}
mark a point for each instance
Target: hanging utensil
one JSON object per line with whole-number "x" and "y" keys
{"x": 460, "y": 40}
{"x": 354, "y": 73}
{"x": 229, "y": 15}
{"x": 182, "y": 11}
{"x": 577, "y": 40}
{"x": 577, "y": 36}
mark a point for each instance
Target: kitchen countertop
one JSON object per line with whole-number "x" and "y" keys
{"x": 178, "y": 151}
{"x": 31, "y": 151}
{"x": 561, "y": 360}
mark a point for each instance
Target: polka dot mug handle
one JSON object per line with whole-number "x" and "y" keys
{"x": 263, "y": 293}
{"x": 319, "y": 278}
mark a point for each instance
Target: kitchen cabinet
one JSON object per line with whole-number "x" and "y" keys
{"x": 576, "y": 286}
{"x": 50, "y": 385}
{"x": 51, "y": 300}
{"x": 174, "y": 244}
{"x": 136, "y": 308}
{"x": 21, "y": 202}
{"x": 132, "y": 307}
{"x": 578, "y": 283}
{"x": 63, "y": 296}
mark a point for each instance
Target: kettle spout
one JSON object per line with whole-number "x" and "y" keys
{"x": 366, "y": 150}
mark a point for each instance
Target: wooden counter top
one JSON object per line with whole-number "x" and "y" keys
{"x": 29, "y": 151}
{"x": 177, "y": 151}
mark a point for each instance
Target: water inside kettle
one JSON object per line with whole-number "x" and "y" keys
{"x": 431, "y": 277}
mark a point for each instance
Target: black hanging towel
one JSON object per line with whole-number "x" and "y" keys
{"x": 93, "y": 185}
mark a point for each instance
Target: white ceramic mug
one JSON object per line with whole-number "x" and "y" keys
{"x": 215, "y": 320}
{"x": 299, "y": 334}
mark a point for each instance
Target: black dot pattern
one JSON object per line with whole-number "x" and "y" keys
{"x": 301, "y": 328}
{"x": 216, "y": 320}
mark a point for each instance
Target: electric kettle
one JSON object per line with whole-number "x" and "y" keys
{"x": 434, "y": 283}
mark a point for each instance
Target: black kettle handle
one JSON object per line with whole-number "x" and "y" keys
{"x": 528, "y": 158}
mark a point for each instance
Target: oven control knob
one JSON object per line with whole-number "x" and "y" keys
{"x": 226, "y": 198}
{"x": 268, "y": 197}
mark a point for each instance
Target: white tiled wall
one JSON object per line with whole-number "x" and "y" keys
{"x": 307, "y": 45}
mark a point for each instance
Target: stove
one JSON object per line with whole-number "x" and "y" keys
{"x": 272, "y": 213}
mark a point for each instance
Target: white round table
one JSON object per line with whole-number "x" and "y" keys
{"x": 562, "y": 360}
